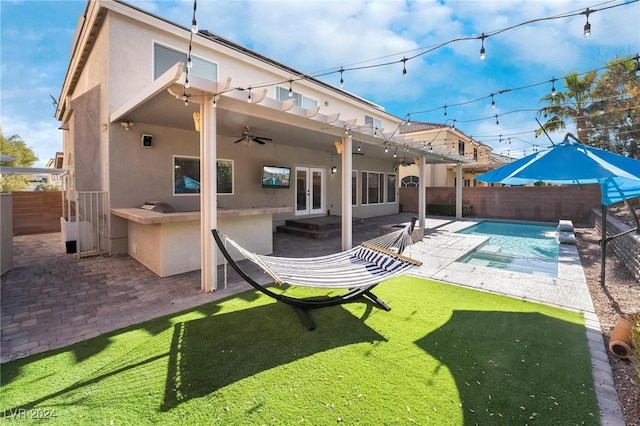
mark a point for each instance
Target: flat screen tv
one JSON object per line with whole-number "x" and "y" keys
{"x": 275, "y": 177}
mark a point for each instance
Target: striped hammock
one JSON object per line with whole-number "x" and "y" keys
{"x": 369, "y": 263}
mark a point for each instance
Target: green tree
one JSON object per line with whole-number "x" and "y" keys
{"x": 576, "y": 103}
{"x": 605, "y": 109}
{"x": 617, "y": 127}
{"x": 23, "y": 156}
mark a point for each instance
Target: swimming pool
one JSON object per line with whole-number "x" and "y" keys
{"x": 519, "y": 247}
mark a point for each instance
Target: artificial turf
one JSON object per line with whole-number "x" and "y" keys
{"x": 443, "y": 355}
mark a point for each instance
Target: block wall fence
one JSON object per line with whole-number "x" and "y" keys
{"x": 37, "y": 212}
{"x": 626, "y": 247}
{"x": 536, "y": 203}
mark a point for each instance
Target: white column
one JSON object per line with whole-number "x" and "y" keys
{"x": 208, "y": 196}
{"x": 347, "y": 211}
{"x": 459, "y": 191}
{"x": 422, "y": 191}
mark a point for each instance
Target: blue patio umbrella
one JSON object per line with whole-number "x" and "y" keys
{"x": 572, "y": 162}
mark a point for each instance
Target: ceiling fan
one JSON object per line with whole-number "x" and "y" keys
{"x": 248, "y": 137}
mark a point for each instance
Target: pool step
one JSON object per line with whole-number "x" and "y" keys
{"x": 489, "y": 249}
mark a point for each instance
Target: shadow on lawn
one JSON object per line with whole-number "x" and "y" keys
{"x": 516, "y": 367}
{"x": 210, "y": 353}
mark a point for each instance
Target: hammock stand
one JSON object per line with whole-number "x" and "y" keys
{"x": 355, "y": 290}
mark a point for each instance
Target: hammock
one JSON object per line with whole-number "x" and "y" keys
{"x": 358, "y": 269}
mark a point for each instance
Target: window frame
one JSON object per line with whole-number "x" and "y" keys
{"x": 194, "y": 159}
{"x": 365, "y": 191}
{"x": 195, "y": 70}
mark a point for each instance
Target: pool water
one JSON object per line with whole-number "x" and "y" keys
{"x": 518, "y": 247}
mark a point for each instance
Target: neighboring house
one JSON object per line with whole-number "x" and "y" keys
{"x": 216, "y": 154}
{"x": 55, "y": 163}
{"x": 441, "y": 138}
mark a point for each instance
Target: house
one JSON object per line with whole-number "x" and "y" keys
{"x": 443, "y": 138}
{"x": 169, "y": 133}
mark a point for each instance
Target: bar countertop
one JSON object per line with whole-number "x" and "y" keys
{"x": 149, "y": 217}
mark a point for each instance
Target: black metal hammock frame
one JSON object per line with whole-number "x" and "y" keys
{"x": 359, "y": 270}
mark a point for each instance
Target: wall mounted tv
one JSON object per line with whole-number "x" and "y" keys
{"x": 275, "y": 177}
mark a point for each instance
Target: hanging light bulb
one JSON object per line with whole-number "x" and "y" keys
{"x": 359, "y": 147}
{"x": 341, "y": 79}
{"x": 194, "y": 21}
{"x": 386, "y": 148}
{"x": 587, "y": 26}
{"x": 497, "y": 122}
{"x": 408, "y": 119}
{"x": 454, "y": 124}
{"x": 249, "y": 97}
{"x": 189, "y": 63}
{"x": 482, "y": 51}
{"x": 493, "y": 102}
{"x": 404, "y": 66}
{"x": 185, "y": 98}
{"x": 186, "y": 82}
{"x": 553, "y": 86}
{"x": 395, "y": 153}
{"x": 445, "y": 110}
{"x": 290, "y": 88}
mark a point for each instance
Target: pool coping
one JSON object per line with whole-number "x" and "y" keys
{"x": 442, "y": 247}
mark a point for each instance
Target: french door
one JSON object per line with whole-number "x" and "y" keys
{"x": 309, "y": 190}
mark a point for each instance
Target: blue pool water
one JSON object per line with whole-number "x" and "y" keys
{"x": 518, "y": 247}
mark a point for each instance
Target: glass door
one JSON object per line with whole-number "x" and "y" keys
{"x": 309, "y": 191}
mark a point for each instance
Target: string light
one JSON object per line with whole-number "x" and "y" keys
{"x": 404, "y": 66}
{"x": 445, "y": 110}
{"x": 359, "y": 147}
{"x": 587, "y": 26}
{"x": 553, "y": 86}
{"x": 194, "y": 21}
{"x": 341, "y": 79}
{"x": 249, "y": 97}
{"x": 497, "y": 122}
{"x": 290, "y": 88}
{"x": 493, "y": 102}
{"x": 482, "y": 51}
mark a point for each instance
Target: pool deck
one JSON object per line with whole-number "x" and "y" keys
{"x": 52, "y": 299}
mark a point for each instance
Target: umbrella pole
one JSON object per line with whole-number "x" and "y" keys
{"x": 603, "y": 242}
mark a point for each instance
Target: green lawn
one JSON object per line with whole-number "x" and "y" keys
{"x": 442, "y": 355}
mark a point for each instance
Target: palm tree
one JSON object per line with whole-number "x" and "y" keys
{"x": 576, "y": 103}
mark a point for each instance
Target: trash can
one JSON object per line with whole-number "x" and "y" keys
{"x": 71, "y": 246}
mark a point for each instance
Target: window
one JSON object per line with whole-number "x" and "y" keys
{"x": 410, "y": 182}
{"x": 374, "y": 123}
{"x": 372, "y": 184}
{"x": 467, "y": 182}
{"x": 460, "y": 148}
{"x": 475, "y": 154}
{"x": 164, "y": 58}
{"x": 392, "y": 187}
{"x": 282, "y": 94}
{"x": 354, "y": 188}
{"x": 186, "y": 176}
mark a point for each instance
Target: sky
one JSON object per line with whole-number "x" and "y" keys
{"x": 322, "y": 36}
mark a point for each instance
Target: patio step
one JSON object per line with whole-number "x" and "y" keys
{"x": 318, "y": 227}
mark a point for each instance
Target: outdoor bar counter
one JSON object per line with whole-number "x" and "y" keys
{"x": 169, "y": 243}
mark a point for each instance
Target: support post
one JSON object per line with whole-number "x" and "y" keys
{"x": 422, "y": 192}
{"x": 347, "y": 210}
{"x": 459, "y": 191}
{"x": 603, "y": 244}
{"x": 208, "y": 196}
